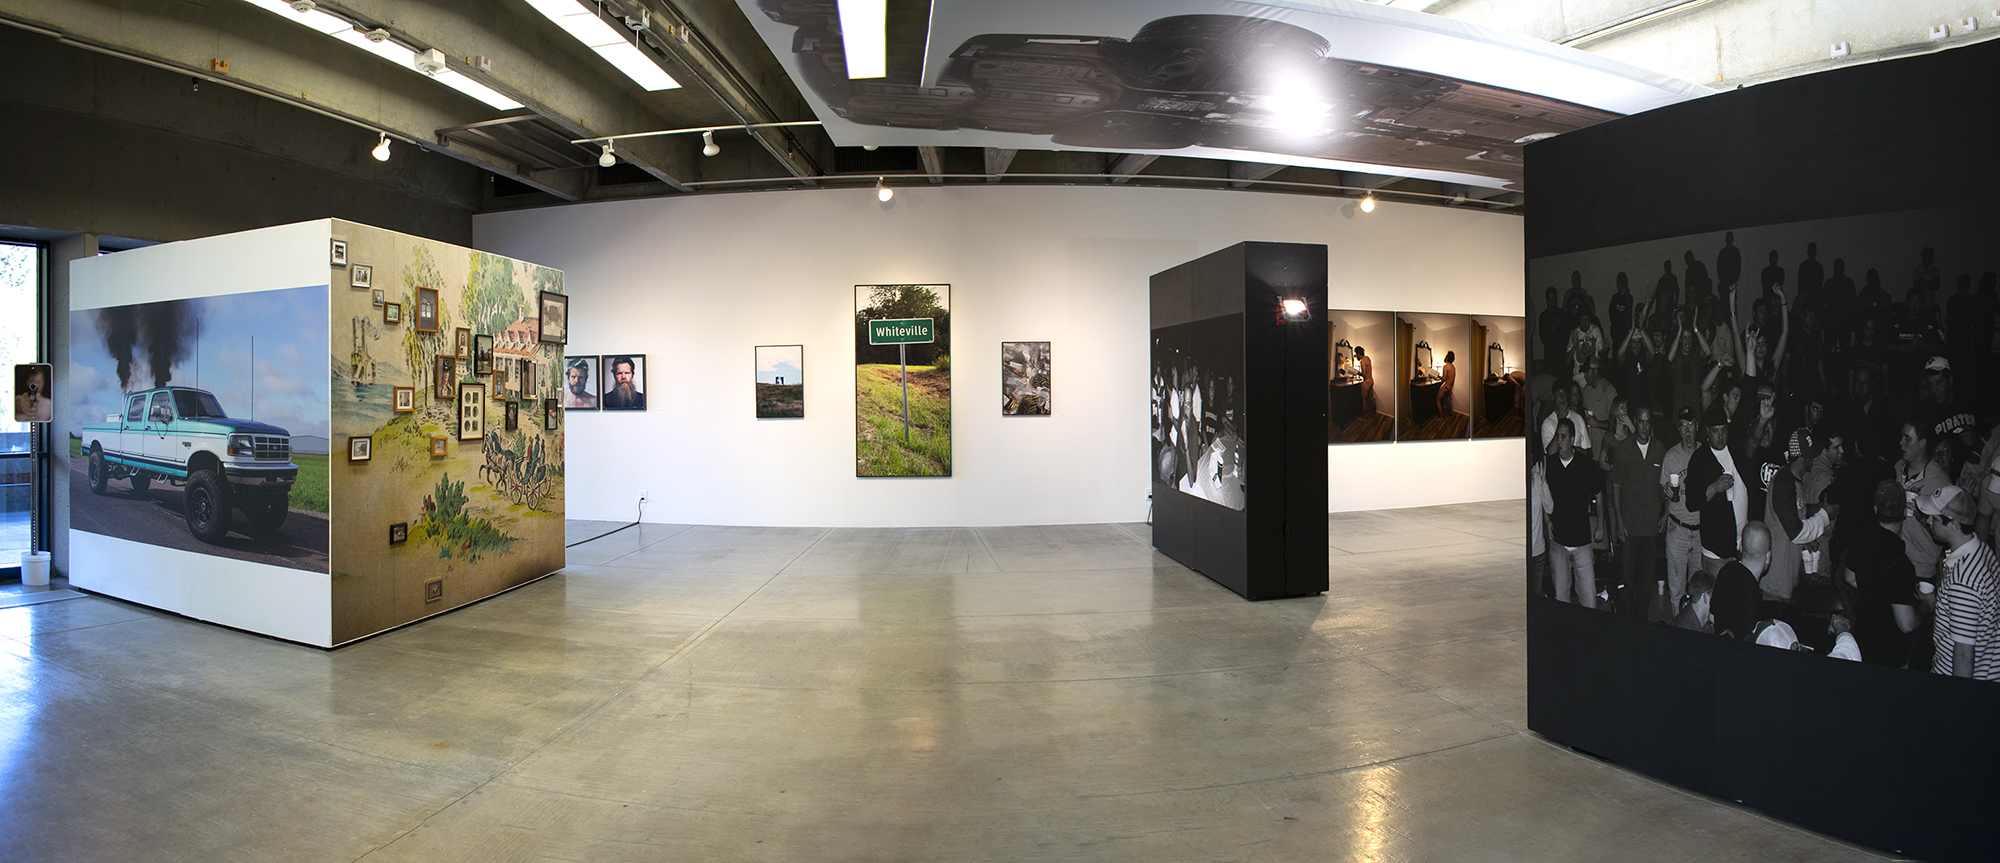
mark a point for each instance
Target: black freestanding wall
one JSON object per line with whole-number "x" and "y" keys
{"x": 1239, "y": 419}
{"x": 1871, "y": 164}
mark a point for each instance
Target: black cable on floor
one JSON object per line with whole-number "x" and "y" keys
{"x": 600, "y": 536}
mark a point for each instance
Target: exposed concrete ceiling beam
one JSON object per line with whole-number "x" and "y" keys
{"x": 533, "y": 62}
{"x": 997, "y": 161}
{"x": 1245, "y": 173}
{"x": 933, "y": 162}
{"x": 1123, "y": 167}
{"x": 712, "y": 47}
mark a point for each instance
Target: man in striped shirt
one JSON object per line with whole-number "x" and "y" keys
{"x": 1967, "y": 633}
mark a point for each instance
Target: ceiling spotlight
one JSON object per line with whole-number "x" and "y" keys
{"x": 1293, "y": 312}
{"x": 1368, "y": 204}
{"x": 882, "y": 191}
{"x": 869, "y": 147}
{"x": 609, "y": 158}
{"x": 381, "y": 151}
{"x": 708, "y": 145}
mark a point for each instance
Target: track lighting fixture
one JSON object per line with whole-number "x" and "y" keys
{"x": 869, "y": 147}
{"x": 882, "y": 191}
{"x": 609, "y": 158}
{"x": 1368, "y": 204}
{"x": 381, "y": 151}
{"x": 708, "y": 145}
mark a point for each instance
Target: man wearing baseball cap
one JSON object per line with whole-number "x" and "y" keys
{"x": 1720, "y": 492}
{"x": 1797, "y": 523}
{"x": 1967, "y": 630}
{"x": 1947, "y": 414}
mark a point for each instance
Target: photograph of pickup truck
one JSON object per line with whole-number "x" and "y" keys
{"x": 201, "y": 425}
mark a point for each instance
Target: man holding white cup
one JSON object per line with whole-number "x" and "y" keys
{"x": 1683, "y": 533}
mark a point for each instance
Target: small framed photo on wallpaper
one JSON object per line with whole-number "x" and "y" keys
{"x": 482, "y": 355}
{"x": 500, "y": 383}
{"x": 513, "y": 410}
{"x": 440, "y": 445}
{"x": 524, "y": 378}
{"x": 399, "y": 533}
{"x": 471, "y": 411}
{"x": 361, "y": 276}
{"x": 555, "y": 318}
{"x": 462, "y": 345}
{"x": 360, "y": 447}
{"x": 392, "y": 313}
{"x": 550, "y": 411}
{"x": 446, "y": 380}
{"x": 340, "y": 253}
{"x": 427, "y": 310}
{"x": 624, "y": 382}
{"x": 378, "y": 296}
{"x": 580, "y": 383}
{"x": 406, "y": 399}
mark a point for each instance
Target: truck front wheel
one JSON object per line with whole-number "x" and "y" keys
{"x": 266, "y": 516}
{"x": 207, "y": 508}
{"x": 98, "y": 471}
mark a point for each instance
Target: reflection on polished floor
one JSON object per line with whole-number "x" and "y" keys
{"x": 734, "y": 693}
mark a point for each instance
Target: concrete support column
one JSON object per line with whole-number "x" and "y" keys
{"x": 62, "y": 254}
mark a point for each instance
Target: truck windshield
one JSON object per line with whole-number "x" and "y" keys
{"x": 192, "y": 404}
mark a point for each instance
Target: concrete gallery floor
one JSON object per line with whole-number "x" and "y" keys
{"x": 736, "y": 693}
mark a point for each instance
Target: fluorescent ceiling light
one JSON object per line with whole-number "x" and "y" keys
{"x": 386, "y": 49}
{"x": 864, "y": 37}
{"x": 580, "y": 20}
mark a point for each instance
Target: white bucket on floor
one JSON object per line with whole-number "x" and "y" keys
{"x": 35, "y": 568}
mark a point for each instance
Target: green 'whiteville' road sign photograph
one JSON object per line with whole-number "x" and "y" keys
{"x": 902, "y": 380}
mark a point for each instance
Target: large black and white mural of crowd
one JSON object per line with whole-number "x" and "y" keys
{"x": 1198, "y": 409}
{"x": 1782, "y": 434}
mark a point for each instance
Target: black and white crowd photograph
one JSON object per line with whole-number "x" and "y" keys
{"x": 1198, "y": 409}
{"x": 1782, "y": 434}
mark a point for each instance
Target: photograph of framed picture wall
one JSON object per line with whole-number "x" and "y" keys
{"x": 626, "y": 388}
{"x": 1499, "y": 376}
{"x": 500, "y": 383}
{"x": 392, "y": 313}
{"x": 462, "y": 344}
{"x": 555, "y": 318}
{"x": 524, "y": 378}
{"x": 360, "y": 275}
{"x": 339, "y": 253}
{"x": 406, "y": 399}
{"x": 550, "y": 413}
{"x": 427, "y": 310}
{"x": 471, "y": 411}
{"x": 513, "y": 413}
{"x": 580, "y": 383}
{"x": 1024, "y": 379}
{"x": 360, "y": 447}
{"x": 440, "y": 445}
{"x": 781, "y": 381}
{"x": 482, "y": 354}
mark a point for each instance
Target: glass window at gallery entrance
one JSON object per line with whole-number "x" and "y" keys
{"x": 20, "y": 342}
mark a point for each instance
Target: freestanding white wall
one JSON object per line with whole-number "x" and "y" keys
{"x": 292, "y": 604}
{"x": 696, "y": 283}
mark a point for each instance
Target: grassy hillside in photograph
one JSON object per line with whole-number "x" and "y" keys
{"x": 879, "y": 447}
{"x": 781, "y": 400}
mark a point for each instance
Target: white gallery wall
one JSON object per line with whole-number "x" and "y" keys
{"x": 696, "y": 283}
